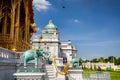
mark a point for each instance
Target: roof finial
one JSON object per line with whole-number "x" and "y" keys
{"x": 50, "y": 21}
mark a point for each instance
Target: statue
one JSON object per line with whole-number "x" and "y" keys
{"x": 66, "y": 67}
{"x": 33, "y": 54}
{"x": 76, "y": 62}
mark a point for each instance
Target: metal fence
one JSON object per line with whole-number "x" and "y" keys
{"x": 96, "y": 76}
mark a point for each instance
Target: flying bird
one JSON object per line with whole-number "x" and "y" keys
{"x": 63, "y": 6}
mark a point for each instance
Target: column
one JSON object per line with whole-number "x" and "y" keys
{"x": 17, "y": 24}
{"x": 26, "y": 19}
{"x": 4, "y": 23}
{"x": 12, "y": 19}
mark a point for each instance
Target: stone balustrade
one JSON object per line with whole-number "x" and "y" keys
{"x": 7, "y": 64}
{"x": 29, "y": 76}
{"x": 75, "y": 74}
{"x": 7, "y": 55}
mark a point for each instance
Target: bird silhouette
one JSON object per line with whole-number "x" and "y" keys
{"x": 63, "y": 6}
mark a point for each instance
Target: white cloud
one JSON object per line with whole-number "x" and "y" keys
{"x": 76, "y": 21}
{"x": 41, "y": 4}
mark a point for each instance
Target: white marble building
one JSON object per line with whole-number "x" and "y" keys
{"x": 49, "y": 41}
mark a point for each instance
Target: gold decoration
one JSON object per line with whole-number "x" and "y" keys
{"x": 66, "y": 67}
{"x": 45, "y": 43}
{"x": 33, "y": 47}
{"x": 14, "y": 49}
{"x": 41, "y": 37}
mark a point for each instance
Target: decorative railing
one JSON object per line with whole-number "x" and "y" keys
{"x": 92, "y": 76}
{"x": 96, "y": 76}
{"x": 7, "y": 55}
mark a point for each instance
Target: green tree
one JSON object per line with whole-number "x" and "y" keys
{"x": 86, "y": 61}
{"x": 111, "y": 59}
{"x": 106, "y": 60}
{"x": 117, "y": 62}
{"x": 95, "y": 60}
{"x": 101, "y": 59}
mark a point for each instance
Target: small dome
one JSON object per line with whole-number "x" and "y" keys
{"x": 50, "y": 25}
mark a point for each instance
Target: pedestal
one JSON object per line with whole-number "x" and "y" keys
{"x": 29, "y": 76}
{"x": 75, "y": 74}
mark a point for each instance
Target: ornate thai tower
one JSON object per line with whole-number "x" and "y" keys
{"x": 16, "y": 24}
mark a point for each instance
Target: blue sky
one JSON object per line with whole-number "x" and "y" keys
{"x": 93, "y": 26}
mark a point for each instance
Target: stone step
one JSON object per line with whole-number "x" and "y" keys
{"x": 49, "y": 69}
{"x": 51, "y": 77}
{"x": 50, "y": 72}
{"x": 49, "y": 66}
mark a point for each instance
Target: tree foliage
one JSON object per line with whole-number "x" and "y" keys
{"x": 110, "y": 59}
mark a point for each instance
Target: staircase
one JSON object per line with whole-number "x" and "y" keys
{"x": 50, "y": 72}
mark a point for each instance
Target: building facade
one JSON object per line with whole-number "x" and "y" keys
{"x": 68, "y": 50}
{"x": 16, "y": 24}
{"x": 97, "y": 65}
{"x": 49, "y": 41}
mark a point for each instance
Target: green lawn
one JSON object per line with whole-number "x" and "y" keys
{"x": 113, "y": 74}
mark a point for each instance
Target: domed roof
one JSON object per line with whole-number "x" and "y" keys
{"x": 50, "y": 25}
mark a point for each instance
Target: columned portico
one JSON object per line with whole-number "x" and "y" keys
{"x": 16, "y": 17}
